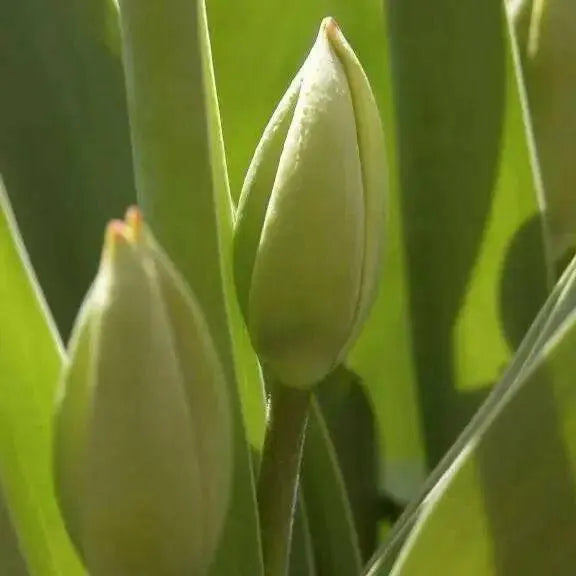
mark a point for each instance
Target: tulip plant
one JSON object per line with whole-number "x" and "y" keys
{"x": 334, "y": 333}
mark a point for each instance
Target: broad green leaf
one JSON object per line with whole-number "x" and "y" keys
{"x": 182, "y": 187}
{"x": 30, "y": 359}
{"x": 469, "y": 202}
{"x": 334, "y": 538}
{"x": 558, "y": 306}
{"x": 64, "y": 139}
{"x": 509, "y": 492}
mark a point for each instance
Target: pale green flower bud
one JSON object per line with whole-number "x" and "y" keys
{"x": 550, "y": 72}
{"x": 142, "y": 431}
{"x": 309, "y": 230}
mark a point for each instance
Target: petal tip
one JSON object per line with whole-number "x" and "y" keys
{"x": 330, "y": 27}
{"x": 134, "y": 221}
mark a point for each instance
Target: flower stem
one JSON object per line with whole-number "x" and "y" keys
{"x": 279, "y": 471}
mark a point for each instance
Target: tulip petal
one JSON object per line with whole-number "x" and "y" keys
{"x": 257, "y": 190}
{"x": 374, "y": 172}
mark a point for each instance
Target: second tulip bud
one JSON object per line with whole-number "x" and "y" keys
{"x": 142, "y": 448}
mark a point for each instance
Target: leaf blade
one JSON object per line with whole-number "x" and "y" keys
{"x": 182, "y": 188}
{"x": 30, "y": 359}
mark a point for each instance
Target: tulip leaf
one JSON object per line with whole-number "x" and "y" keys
{"x": 471, "y": 227}
{"x": 182, "y": 187}
{"x": 552, "y": 314}
{"x": 64, "y": 139}
{"x": 11, "y": 559}
{"x": 508, "y": 489}
{"x": 301, "y": 551}
{"x": 332, "y": 529}
{"x": 350, "y": 422}
{"x": 30, "y": 360}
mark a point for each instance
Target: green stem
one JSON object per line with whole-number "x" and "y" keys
{"x": 279, "y": 471}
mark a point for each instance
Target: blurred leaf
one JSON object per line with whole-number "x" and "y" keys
{"x": 334, "y": 538}
{"x": 64, "y": 140}
{"x": 558, "y": 306}
{"x": 509, "y": 490}
{"x": 30, "y": 359}
{"x": 350, "y": 423}
{"x": 301, "y": 551}
{"x": 545, "y": 32}
{"x": 469, "y": 202}
{"x": 11, "y": 559}
{"x": 521, "y": 13}
{"x": 182, "y": 187}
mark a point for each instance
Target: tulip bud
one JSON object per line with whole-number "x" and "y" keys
{"x": 143, "y": 433}
{"x": 551, "y": 85}
{"x": 309, "y": 230}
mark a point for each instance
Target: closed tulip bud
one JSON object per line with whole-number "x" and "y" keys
{"x": 550, "y": 72}
{"x": 309, "y": 230}
{"x": 143, "y": 434}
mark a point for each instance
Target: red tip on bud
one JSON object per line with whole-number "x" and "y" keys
{"x": 133, "y": 221}
{"x": 116, "y": 231}
{"x": 330, "y": 26}
{"x": 127, "y": 230}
